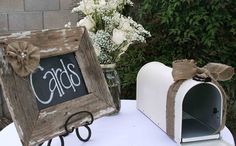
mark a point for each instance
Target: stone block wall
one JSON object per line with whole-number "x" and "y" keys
{"x": 27, "y": 15}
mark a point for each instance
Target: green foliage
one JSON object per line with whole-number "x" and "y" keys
{"x": 231, "y": 118}
{"x": 197, "y": 29}
{"x": 203, "y": 30}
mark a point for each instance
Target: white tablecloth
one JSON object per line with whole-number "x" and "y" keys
{"x": 128, "y": 128}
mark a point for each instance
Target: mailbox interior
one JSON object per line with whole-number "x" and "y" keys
{"x": 201, "y": 113}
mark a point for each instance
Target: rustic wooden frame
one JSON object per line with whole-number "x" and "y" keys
{"x": 35, "y": 126}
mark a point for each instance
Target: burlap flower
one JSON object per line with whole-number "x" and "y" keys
{"x": 23, "y": 57}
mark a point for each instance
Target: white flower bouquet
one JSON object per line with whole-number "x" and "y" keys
{"x": 110, "y": 31}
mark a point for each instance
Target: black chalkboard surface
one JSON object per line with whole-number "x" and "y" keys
{"x": 57, "y": 79}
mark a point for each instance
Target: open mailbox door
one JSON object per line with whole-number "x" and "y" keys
{"x": 208, "y": 143}
{"x": 202, "y": 106}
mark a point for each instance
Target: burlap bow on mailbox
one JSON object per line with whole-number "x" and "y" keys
{"x": 23, "y": 57}
{"x": 187, "y": 69}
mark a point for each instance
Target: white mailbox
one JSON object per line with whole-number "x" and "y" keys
{"x": 198, "y": 105}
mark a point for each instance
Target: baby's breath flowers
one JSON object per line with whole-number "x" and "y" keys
{"x": 110, "y": 31}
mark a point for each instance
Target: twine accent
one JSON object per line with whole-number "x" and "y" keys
{"x": 187, "y": 69}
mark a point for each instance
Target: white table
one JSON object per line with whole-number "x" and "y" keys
{"x": 129, "y": 128}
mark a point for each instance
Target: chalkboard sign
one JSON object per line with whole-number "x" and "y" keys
{"x": 56, "y": 80}
{"x": 66, "y": 78}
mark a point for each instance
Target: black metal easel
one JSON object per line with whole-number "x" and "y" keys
{"x": 86, "y": 125}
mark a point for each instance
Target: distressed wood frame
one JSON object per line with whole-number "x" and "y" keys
{"x": 35, "y": 126}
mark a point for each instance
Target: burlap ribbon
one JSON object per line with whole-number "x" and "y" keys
{"x": 23, "y": 57}
{"x": 187, "y": 69}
